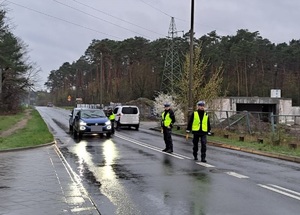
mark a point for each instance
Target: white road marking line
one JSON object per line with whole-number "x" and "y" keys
{"x": 183, "y": 156}
{"x": 127, "y": 138}
{"x": 281, "y": 192}
{"x": 205, "y": 165}
{"x": 236, "y": 175}
{"x": 149, "y": 147}
{"x": 159, "y": 150}
{"x": 75, "y": 178}
{"x": 285, "y": 189}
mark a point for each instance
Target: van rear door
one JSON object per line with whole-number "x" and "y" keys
{"x": 130, "y": 115}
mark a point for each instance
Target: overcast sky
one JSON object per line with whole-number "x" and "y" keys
{"x": 58, "y": 31}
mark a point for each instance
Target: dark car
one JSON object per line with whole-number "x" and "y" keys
{"x": 91, "y": 121}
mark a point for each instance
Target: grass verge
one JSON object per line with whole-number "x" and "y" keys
{"x": 7, "y": 121}
{"x": 264, "y": 147}
{"x": 35, "y": 133}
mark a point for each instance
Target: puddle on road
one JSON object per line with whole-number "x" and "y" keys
{"x": 203, "y": 177}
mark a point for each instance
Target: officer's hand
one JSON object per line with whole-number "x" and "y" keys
{"x": 187, "y": 131}
{"x": 209, "y": 133}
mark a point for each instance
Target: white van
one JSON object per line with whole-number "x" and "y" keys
{"x": 127, "y": 115}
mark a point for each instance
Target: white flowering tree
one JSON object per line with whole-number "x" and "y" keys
{"x": 159, "y": 102}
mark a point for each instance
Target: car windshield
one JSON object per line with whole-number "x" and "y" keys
{"x": 92, "y": 113}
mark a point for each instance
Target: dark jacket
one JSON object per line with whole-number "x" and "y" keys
{"x": 172, "y": 116}
{"x": 190, "y": 123}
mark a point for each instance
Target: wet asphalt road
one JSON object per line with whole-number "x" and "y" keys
{"x": 128, "y": 174}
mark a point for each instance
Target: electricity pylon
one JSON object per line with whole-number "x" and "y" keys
{"x": 172, "y": 68}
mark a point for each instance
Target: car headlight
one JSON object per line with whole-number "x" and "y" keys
{"x": 82, "y": 123}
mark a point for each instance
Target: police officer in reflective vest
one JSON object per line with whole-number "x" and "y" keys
{"x": 199, "y": 124}
{"x": 167, "y": 121}
{"x": 111, "y": 116}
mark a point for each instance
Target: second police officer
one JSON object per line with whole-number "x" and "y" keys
{"x": 167, "y": 121}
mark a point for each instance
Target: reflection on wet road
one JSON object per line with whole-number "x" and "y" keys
{"x": 137, "y": 183}
{"x": 104, "y": 171}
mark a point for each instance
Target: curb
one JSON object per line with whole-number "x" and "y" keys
{"x": 29, "y": 147}
{"x": 252, "y": 151}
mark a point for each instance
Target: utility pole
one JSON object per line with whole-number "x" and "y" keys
{"x": 190, "y": 108}
{"x": 0, "y": 83}
{"x": 1, "y": 87}
{"x": 101, "y": 79}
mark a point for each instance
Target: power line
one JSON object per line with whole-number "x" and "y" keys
{"x": 155, "y": 8}
{"x": 98, "y": 18}
{"x": 183, "y": 20}
{"x": 60, "y": 19}
{"x": 117, "y": 17}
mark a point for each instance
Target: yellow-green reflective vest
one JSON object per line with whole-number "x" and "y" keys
{"x": 166, "y": 119}
{"x": 112, "y": 117}
{"x": 196, "y": 122}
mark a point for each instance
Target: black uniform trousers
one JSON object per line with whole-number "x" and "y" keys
{"x": 203, "y": 141}
{"x": 168, "y": 138}
{"x": 112, "y": 126}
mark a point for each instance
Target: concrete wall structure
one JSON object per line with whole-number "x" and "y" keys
{"x": 278, "y": 106}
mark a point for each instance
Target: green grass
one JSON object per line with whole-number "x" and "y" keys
{"x": 264, "y": 147}
{"x": 7, "y": 121}
{"x": 35, "y": 133}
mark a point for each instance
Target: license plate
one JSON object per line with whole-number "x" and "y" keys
{"x": 96, "y": 128}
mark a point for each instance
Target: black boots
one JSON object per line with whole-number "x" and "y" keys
{"x": 167, "y": 150}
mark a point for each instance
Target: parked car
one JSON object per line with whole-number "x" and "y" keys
{"x": 91, "y": 121}
{"x": 128, "y": 116}
{"x": 49, "y": 104}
